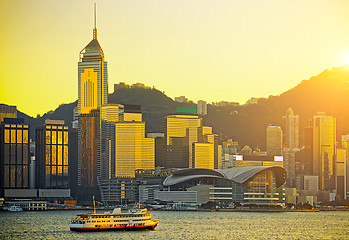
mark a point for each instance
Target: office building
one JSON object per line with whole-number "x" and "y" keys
{"x": 292, "y": 129}
{"x": 341, "y": 173}
{"x": 133, "y": 150}
{"x": 324, "y": 150}
{"x": 187, "y": 142}
{"x": 52, "y": 159}
{"x": 274, "y": 140}
{"x": 73, "y": 160}
{"x": 110, "y": 114}
{"x": 14, "y": 155}
{"x": 180, "y": 133}
{"x": 159, "y": 148}
{"x": 7, "y": 112}
{"x": 345, "y": 145}
{"x": 203, "y": 155}
{"x": 92, "y": 94}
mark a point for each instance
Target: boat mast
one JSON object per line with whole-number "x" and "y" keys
{"x": 94, "y": 205}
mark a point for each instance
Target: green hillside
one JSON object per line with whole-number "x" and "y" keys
{"x": 328, "y": 92}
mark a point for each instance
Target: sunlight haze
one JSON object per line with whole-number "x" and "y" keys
{"x": 209, "y": 50}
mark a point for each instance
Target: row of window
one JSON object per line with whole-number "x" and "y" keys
{"x": 56, "y": 155}
{"x": 16, "y": 176}
{"x": 18, "y": 135}
{"x": 121, "y": 216}
{"x": 57, "y": 137}
{"x": 96, "y": 221}
{"x": 16, "y": 153}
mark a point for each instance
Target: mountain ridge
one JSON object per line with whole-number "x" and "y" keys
{"x": 326, "y": 92}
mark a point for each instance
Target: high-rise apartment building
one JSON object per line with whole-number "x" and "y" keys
{"x": 324, "y": 150}
{"x": 14, "y": 154}
{"x": 290, "y": 166}
{"x": 7, "y": 112}
{"x": 52, "y": 159}
{"x": 202, "y": 107}
{"x": 292, "y": 129}
{"x": 274, "y": 140}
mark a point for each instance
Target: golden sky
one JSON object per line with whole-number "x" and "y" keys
{"x": 204, "y": 49}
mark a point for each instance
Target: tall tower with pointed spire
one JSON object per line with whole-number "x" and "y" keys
{"x": 93, "y": 93}
{"x": 93, "y": 75}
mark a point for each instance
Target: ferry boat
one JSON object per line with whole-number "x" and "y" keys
{"x": 133, "y": 219}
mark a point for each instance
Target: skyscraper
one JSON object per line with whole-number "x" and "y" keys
{"x": 93, "y": 93}
{"x": 274, "y": 140}
{"x": 292, "y": 129}
{"x": 324, "y": 150}
{"x": 93, "y": 76}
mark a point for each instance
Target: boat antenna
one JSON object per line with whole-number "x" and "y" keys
{"x": 94, "y": 205}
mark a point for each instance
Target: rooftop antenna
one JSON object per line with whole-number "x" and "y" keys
{"x": 95, "y": 27}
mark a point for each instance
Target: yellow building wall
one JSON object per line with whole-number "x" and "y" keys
{"x": 88, "y": 90}
{"x": 341, "y": 161}
{"x": 133, "y": 151}
{"x": 203, "y": 155}
{"x": 324, "y": 143}
{"x": 133, "y": 117}
{"x": 176, "y": 125}
{"x": 111, "y": 112}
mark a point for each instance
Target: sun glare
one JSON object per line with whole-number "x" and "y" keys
{"x": 346, "y": 59}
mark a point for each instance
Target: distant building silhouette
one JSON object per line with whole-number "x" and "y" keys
{"x": 202, "y": 107}
{"x": 274, "y": 140}
{"x": 7, "y": 112}
{"x": 292, "y": 129}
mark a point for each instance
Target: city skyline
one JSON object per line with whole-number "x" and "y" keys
{"x": 168, "y": 45}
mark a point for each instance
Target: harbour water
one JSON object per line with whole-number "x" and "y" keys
{"x": 186, "y": 225}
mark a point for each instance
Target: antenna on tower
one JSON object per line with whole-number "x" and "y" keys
{"x": 95, "y": 27}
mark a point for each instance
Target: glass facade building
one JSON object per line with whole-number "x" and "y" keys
{"x": 324, "y": 150}
{"x": 133, "y": 150}
{"x": 88, "y": 165}
{"x": 259, "y": 185}
{"x": 203, "y": 155}
{"x": 92, "y": 95}
{"x": 52, "y": 155}
{"x": 14, "y": 154}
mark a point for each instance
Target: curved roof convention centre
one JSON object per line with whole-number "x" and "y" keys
{"x": 238, "y": 174}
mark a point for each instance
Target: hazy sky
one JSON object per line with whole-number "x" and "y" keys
{"x": 212, "y": 50}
